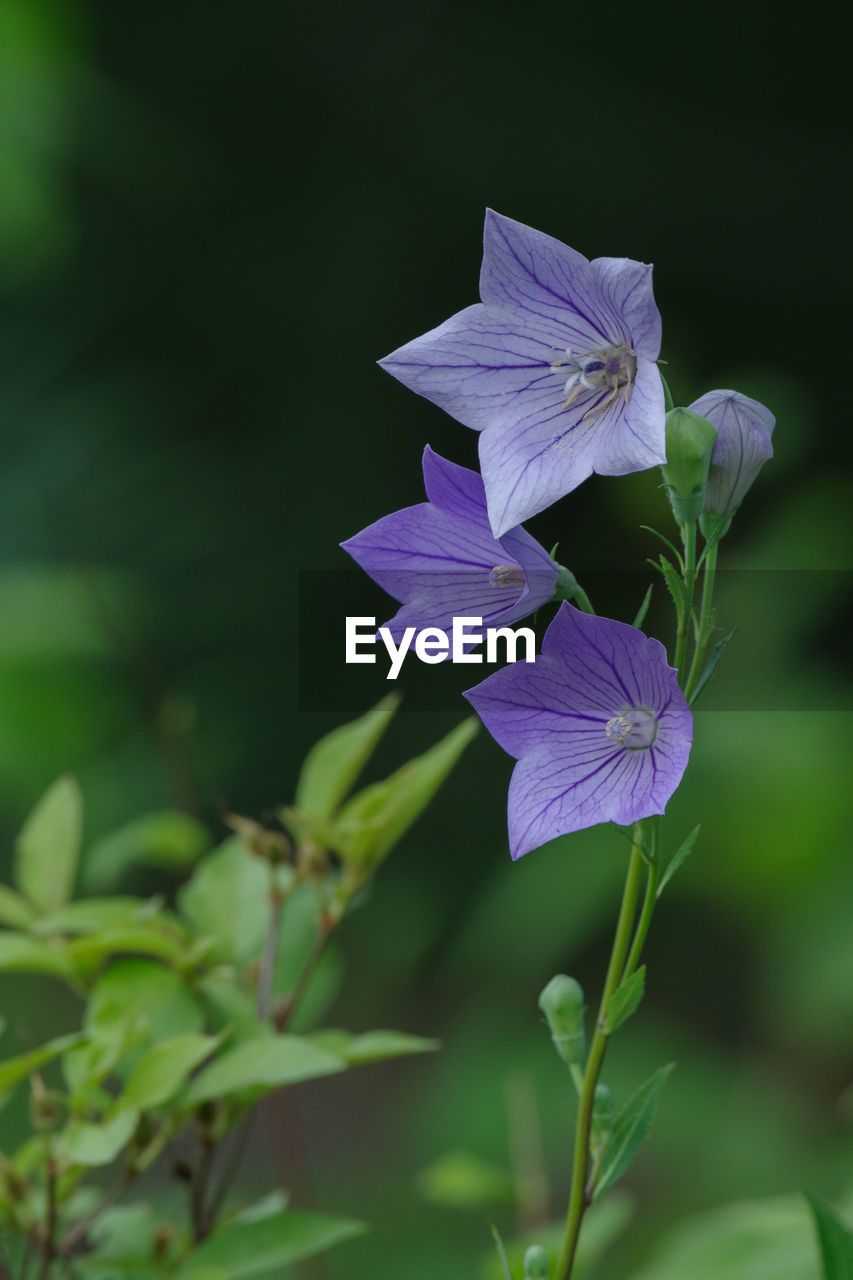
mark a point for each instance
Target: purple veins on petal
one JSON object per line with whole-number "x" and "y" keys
{"x": 598, "y": 724}
{"x": 440, "y": 560}
{"x": 556, "y": 367}
{"x": 744, "y": 430}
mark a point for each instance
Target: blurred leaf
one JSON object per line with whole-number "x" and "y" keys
{"x": 232, "y": 1008}
{"x": 22, "y": 954}
{"x": 14, "y": 909}
{"x": 333, "y": 764}
{"x": 296, "y": 940}
{"x": 158, "y": 993}
{"x": 48, "y": 846}
{"x": 835, "y": 1239}
{"x": 630, "y": 1129}
{"x": 90, "y": 951}
{"x": 266, "y": 1062}
{"x": 91, "y": 914}
{"x": 228, "y": 899}
{"x": 90, "y": 1143}
{"x": 372, "y": 822}
{"x": 370, "y": 1046}
{"x": 602, "y": 1224}
{"x": 685, "y": 848}
{"x": 272, "y": 1203}
{"x": 710, "y": 666}
{"x": 501, "y": 1250}
{"x": 89, "y": 1063}
{"x": 163, "y": 1068}
{"x": 624, "y": 1001}
{"x": 167, "y": 839}
{"x": 463, "y": 1180}
{"x": 246, "y": 1249}
{"x": 122, "y": 1239}
{"x": 15, "y": 1069}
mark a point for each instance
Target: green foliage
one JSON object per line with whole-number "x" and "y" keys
{"x": 226, "y": 899}
{"x": 371, "y": 1046}
{"x": 835, "y": 1240}
{"x": 602, "y": 1225}
{"x": 265, "y": 1063}
{"x": 167, "y": 839}
{"x": 159, "y": 1073}
{"x": 682, "y": 852}
{"x": 47, "y": 850}
{"x": 246, "y": 1249}
{"x": 98, "y": 1143}
{"x": 15, "y": 1069}
{"x": 630, "y": 1129}
{"x": 624, "y": 1001}
{"x": 463, "y": 1180}
{"x": 335, "y": 762}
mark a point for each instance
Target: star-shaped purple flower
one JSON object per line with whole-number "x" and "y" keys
{"x": 556, "y": 367}
{"x": 598, "y": 724}
{"x": 742, "y": 447}
{"x": 441, "y": 561}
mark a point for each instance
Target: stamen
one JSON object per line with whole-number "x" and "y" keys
{"x": 506, "y": 575}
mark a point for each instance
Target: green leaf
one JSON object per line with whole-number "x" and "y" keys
{"x": 630, "y": 1129}
{"x": 22, "y": 954}
{"x": 85, "y": 1066}
{"x": 602, "y": 1224}
{"x": 370, "y": 1046}
{"x": 89, "y": 952}
{"x": 501, "y": 1250}
{"x": 135, "y": 984}
{"x": 266, "y": 1062}
{"x": 15, "y": 1069}
{"x": 684, "y": 849}
{"x": 675, "y": 585}
{"x": 624, "y": 1001}
{"x": 648, "y": 528}
{"x": 668, "y": 401}
{"x": 835, "y": 1240}
{"x": 710, "y": 666}
{"x": 372, "y": 822}
{"x": 48, "y": 847}
{"x": 333, "y": 764}
{"x": 166, "y": 838}
{"x": 90, "y": 1143}
{"x": 228, "y": 899}
{"x": 463, "y": 1180}
{"x": 91, "y": 914}
{"x": 644, "y": 608}
{"x": 231, "y": 1008}
{"x": 14, "y": 909}
{"x": 246, "y": 1249}
{"x": 162, "y": 1069}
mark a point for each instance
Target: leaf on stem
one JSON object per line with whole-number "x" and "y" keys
{"x": 710, "y": 666}
{"x": 499, "y": 1245}
{"x": 675, "y": 585}
{"x": 835, "y": 1240}
{"x": 624, "y": 1001}
{"x": 333, "y": 764}
{"x": 643, "y": 609}
{"x": 246, "y": 1249}
{"x": 48, "y": 847}
{"x": 684, "y": 849}
{"x": 266, "y": 1062}
{"x": 630, "y": 1129}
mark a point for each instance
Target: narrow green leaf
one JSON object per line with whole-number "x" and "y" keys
{"x": 710, "y": 666}
{"x": 679, "y": 561}
{"x": 15, "y": 1069}
{"x": 675, "y": 584}
{"x": 644, "y": 608}
{"x": 228, "y": 899}
{"x": 624, "y": 1001}
{"x": 370, "y": 1046}
{"x": 88, "y": 915}
{"x": 48, "y": 847}
{"x": 246, "y": 1249}
{"x": 668, "y": 402}
{"x": 333, "y": 764}
{"x": 21, "y": 954}
{"x": 372, "y": 822}
{"x": 14, "y": 909}
{"x": 630, "y": 1129}
{"x": 90, "y": 1143}
{"x": 835, "y": 1240}
{"x": 266, "y": 1062}
{"x": 499, "y": 1245}
{"x": 684, "y": 849}
{"x": 166, "y": 838}
{"x": 162, "y": 1069}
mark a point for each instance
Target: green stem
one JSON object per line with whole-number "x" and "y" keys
{"x": 582, "y": 600}
{"x": 689, "y": 534}
{"x": 648, "y": 907}
{"x": 705, "y": 620}
{"x": 579, "y": 1199}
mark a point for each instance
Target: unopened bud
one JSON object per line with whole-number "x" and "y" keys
{"x": 562, "y": 1003}
{"x": 536, "y": 1263}
{"x": 690, "y": 441}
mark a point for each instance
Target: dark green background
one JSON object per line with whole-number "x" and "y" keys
{"x": 214, "y": 217}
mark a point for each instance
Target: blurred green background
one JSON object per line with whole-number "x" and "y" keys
{"x": 213, "y": 219}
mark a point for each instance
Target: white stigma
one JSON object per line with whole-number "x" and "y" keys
{"x": 634, "y": 729}
{"x": 608, "y": 373}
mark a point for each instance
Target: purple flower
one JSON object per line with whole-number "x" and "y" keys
{"x": 598, "y": 724}
{"x": 556, "y": 368}
{"x": 441, "y": 560}
{"x": 744, "y": 428}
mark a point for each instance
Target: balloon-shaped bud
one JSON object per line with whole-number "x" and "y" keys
{"x": 690, "y": 439}
{"x": 744, "y": 428}
{"x": 562, "y": 1003}
{"x": 536, "y": 1265}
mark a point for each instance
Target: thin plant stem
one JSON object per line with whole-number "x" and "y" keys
{"x": 649, "y": 903}
{"x": 705, "y": 611}
{"x": 49, "y": 1252}
{"x": 582, "y": 600}
{"x": 689, "y": 534}
{"x": 81, "y": 1229}
{"x": 289, "y": 1006}
{"x": 579, "y": 1198}
{"x": 266, "y": 973}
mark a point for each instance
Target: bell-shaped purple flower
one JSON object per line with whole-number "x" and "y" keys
{"x": 598, "y": 724}
{"x": 555, "y": 367}
{"x": 441, "y": 561}
{"x": 744, "y": 428}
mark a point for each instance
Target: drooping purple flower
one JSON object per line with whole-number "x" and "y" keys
{"x": 598, "y": 724}
{"x": 441, "y": 561}
{"x": 555, "y": 367}
{"x": 744, "y": 428}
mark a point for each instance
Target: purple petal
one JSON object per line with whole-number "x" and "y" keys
{"x": 744, "y": 428}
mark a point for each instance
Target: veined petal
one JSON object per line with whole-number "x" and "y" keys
{"x": 744, "y": 428}
{"x": 635, "y": 438}
{"x": 627, "y": 302}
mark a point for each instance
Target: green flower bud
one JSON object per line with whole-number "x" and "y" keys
{"x": 536, "y": 1263}
{"x": 690, "y": 439}
{"x": 562, "y": 1003}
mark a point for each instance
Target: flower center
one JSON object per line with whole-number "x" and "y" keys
{"x": 635, "y": 729}
{"x": 506, "y": 575}
{"x": 607, "y": 374}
